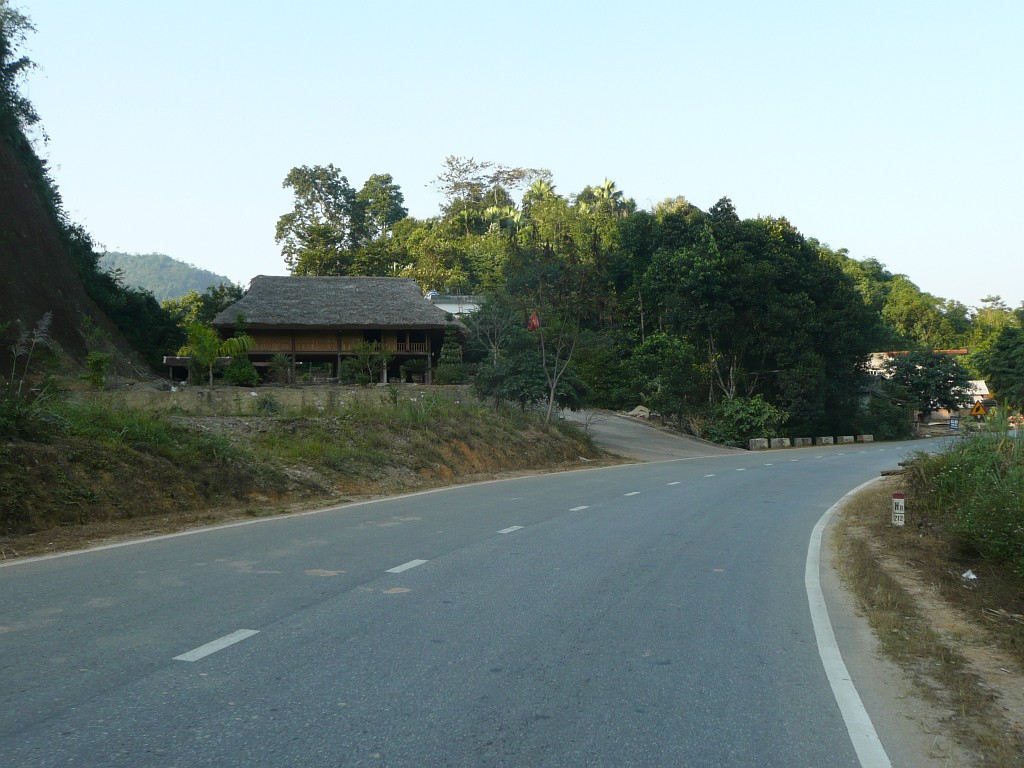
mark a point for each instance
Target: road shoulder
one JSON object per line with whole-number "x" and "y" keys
{"x": 948, "y": 695}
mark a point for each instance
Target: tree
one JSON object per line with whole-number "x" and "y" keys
{"x": 203, "y": 307}
{"x": 923, "y": 320}
{"x": 930, "y": 380}
{"x": 449, "y": 363}
{"x": 318, "y": 235}
{"x": 520, "y": 377}
{"x": 14, "y": 29}
{"x": 492, "y": 325}
{"x": 663, "y": 373}
{"x": 1003, "y": 365}
{"x": 370, "y": 359}
{"x": 381, "y": 205}
{"x": 205, "y": 346}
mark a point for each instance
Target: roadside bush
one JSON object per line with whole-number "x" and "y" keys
{"x": 734, "y": 422}
{"x": 975, "y": 490}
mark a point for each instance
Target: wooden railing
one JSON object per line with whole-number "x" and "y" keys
{"x": 411, "y": 346}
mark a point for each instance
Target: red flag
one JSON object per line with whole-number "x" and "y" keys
{"x": 534, "y": 323}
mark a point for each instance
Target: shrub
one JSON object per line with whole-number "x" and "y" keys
{"x": 241, "y": 373}
{"x": 734, "y": 422}
{"x": 975, "y": 490}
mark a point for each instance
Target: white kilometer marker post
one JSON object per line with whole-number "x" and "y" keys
{"x": 216, "y": 645}
{"x": 406, "y": 566}
{"x": 510, "y": 530}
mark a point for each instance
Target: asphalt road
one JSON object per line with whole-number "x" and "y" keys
{"x": 643, "y": 615}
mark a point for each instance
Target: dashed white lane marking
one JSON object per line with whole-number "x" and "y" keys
{"x": 792, "y": 460}
{"x": 741, "y": 469}
{"x": 819, "y": 457}
{"x": 510, "y": 530}
{"x": 711, "y": 475}
{"x": 866, "y": 743}
{"x": 216, "y": 645}
{"x": 632, "y": 493}
{"x": 579, "y": 509}
{"x": 770, "y": 464}
{"x": 406, "y": 566}
{"x": 677, "y": 482}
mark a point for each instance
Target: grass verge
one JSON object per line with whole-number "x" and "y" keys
{"x": 932, "y": 622}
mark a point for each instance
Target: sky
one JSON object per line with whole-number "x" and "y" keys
{"x": 892, "y": 129}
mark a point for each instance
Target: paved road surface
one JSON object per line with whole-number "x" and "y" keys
{"x": 640, "y": 440}
{"x": 643, "y": 615}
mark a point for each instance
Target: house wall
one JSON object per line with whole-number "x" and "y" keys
{"x": 334, "y": 342}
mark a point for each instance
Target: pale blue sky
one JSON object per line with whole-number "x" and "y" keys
{"x": 893, "y": 129}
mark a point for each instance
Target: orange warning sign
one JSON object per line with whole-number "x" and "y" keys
{"x": 978, "y": 409}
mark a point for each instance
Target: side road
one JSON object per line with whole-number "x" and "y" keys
{"x": 640, "y": 440}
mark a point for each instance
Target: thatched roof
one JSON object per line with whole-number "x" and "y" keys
{"x": 334, "y": 302}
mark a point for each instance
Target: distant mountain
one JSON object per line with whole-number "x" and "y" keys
{"x": 164, "y": 277}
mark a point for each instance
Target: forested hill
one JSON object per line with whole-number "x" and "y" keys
{"x": 161, "y": 275}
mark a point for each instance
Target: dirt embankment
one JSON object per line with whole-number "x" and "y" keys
{"x": 77, "y": 491}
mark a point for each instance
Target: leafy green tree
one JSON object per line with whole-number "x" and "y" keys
{"x": 205, "y": 347}
{"x": 930, "y": 380}
{"x": 14, "y": 106}
{"x": 381, "y": 205}
{"x": 520, "y": 378}
{"x": 987, "y": 323}
{"x": 1003, "y": 365}
{"x": 663, "y": 373}
{"x": 923, "y": 320}
{"x": 318, "y": 236}
{"x": 203, "y": 307}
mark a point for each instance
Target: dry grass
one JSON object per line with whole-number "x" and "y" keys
{"x": 958, "y": 640}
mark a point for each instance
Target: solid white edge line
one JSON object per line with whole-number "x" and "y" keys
{"x": 866, "y": 743}
{"x": 512, "y": 529}
{"x": 216, "y": 645}
{"x": 406, "y": 566}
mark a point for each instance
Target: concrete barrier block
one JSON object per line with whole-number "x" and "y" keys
{"x": 758, "y": 443}
{"x": 824, "y": 441}
{"x": 779, "y": 442}
{"x": 801, "y": 442}
{"x": 865, "y": 438}
{"x": 844, "y": 439}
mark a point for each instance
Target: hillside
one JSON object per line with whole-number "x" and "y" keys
{"x": 161, "y": 275}
{"x": 38, "y": 274}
